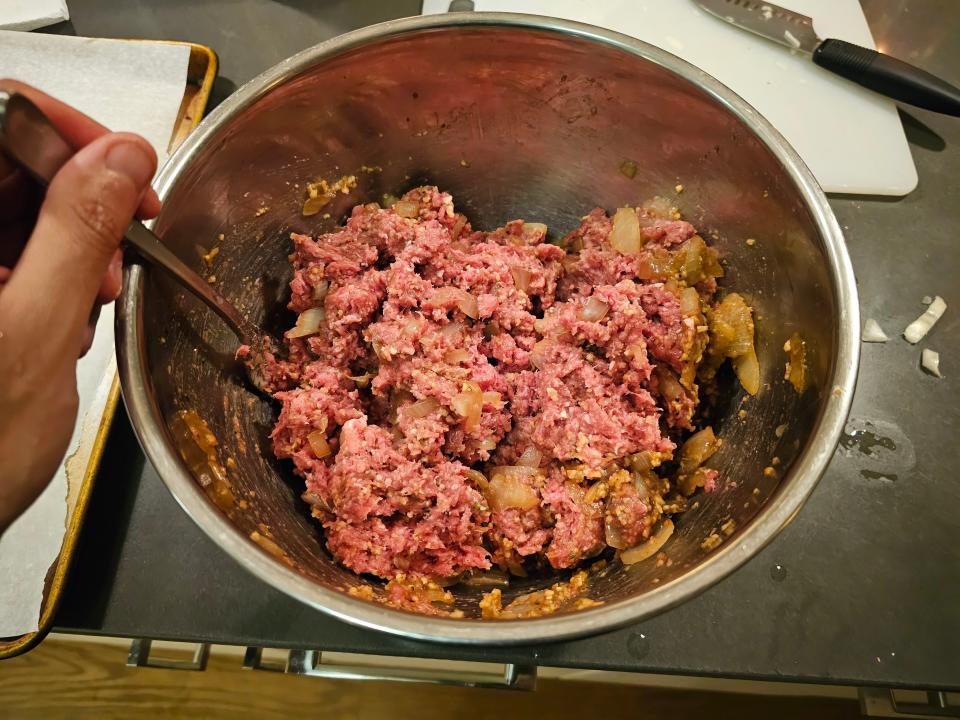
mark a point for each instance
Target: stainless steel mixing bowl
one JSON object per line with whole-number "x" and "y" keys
{"x": 517, "y": 116}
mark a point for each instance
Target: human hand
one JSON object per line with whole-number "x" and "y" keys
{"x": 59, "y": 263}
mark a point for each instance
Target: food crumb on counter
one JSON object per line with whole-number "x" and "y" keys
{"x": 261, "y": 211}
{"x": 464, "y": 163}
{"x": 750, "y": 241}
{"x": 678, "y": 187}
{"x": 212, "y": 279}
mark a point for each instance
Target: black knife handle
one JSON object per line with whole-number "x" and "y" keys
{"x": 888, "y": 76}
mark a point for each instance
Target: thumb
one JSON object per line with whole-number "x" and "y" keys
{"x": 84, "y": 215}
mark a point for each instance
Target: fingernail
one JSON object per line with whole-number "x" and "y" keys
{"x": 130, "y": 159}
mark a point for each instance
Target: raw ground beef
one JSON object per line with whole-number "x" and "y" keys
{"x": 443, "y": 354}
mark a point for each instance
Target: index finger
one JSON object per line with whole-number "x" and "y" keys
{"x": 77, "y": 129}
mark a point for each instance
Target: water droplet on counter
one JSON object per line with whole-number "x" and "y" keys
{"x": 865, "y": 441}
{"x": 878, "y": 449}
{"x": 638, "y": 645}
{"x": 778, "y": 573}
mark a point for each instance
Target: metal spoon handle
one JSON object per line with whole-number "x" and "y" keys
{"x": 28, "y": 136}
{"x": 151, "y": 248}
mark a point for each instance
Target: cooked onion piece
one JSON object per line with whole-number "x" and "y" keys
{"x": 469, "y": 405}
{"x": 406, "y": 208}
{"x": 625, "y": 236}
{"x": 747, "y": 368}
{"x": 521, "y": 278}
{"x": 796, "y": 369}
{"x": 509, "y": 488}
{"x": 422, "y": 408}
{"x": 731, "y": 336}
{"x": 530, "y": 457}
{"x": 649, "y": 547}
{"x": 465, "y": 301}
{"x": 698, "y": 448}
{"x": 594, "y": 310}
{"x": 309, "y": 322}
{"x": 318, "y": 443}
{"x": 455, "y": 357}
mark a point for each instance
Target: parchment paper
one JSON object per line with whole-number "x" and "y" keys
{"x": 31, "y": 14}
{"x": 133, "y": 86}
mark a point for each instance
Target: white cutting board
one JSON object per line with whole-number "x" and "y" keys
{"x": 851, "y": 138}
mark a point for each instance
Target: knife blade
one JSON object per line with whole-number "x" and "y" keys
{"x": 867, "y": 67}
{"x": 766, "y": 20}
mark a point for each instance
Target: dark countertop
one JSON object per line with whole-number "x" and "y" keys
{"x": 862, "y": 588}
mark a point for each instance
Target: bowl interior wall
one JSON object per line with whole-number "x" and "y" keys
{"x": 515, "y": 123}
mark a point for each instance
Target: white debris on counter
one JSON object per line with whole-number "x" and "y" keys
{"x": 873, "y": 333}
{"x": 916, "y": 330}
{"x": 930, "y": 360}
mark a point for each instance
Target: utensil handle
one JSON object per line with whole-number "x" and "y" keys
{"x": 28, "y": 136}
{"x": 145, "y": 243}
{"x": 888, "y": 76}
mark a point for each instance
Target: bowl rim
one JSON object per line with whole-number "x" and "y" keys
{"x": 797, "y": 484}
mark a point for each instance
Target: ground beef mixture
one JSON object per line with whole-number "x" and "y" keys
{"x": 459, "y": 400}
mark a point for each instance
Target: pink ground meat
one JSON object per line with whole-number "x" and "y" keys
{"x": 578, "y": 528}
{"x": 390, "y": 514}
{"x": 426, "y": 320}
{"x": 628, "y": 514}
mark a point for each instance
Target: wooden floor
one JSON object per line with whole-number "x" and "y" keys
{"x": 85, "y": 680}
